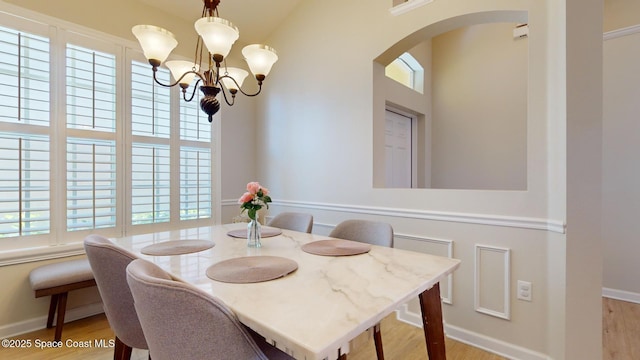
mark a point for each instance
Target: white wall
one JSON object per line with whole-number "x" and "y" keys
{"x": 621, "y": 167}
{"x": 620, "y": 14}
{"x": 238, "y": 140}
{"x": 317, "y": 153}
{"x": 479, "y": 110}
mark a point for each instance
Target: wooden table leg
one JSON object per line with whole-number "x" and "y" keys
{"x": 431, "y": 306}
{"x": 342, "y": 356}
{"x": 377, "y": 339}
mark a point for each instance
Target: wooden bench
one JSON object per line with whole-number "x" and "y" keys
{"x": 57, "y": 280}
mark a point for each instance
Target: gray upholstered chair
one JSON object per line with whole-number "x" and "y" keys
{"x": 370, "y": 232}
{"x": 374, "y": 233}
{"x": 293, "y": 221}
{"x": 182, "y": 322}
{"x": 109, "y": 264}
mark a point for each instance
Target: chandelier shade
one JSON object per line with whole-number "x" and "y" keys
{"x": 218, "y": 36}
{"x": 156, "y": 42}
{"x": 260, "y": 58}
{"x": 183, "y": 71}
{"x": 236, "y": 74}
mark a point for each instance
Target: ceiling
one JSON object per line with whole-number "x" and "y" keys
{"x": 256, "y": 19}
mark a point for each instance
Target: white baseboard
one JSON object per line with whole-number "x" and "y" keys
{"x": 499, "y": 347}
{"x": 621, "y": 295}
{"x": 7, "y": 331}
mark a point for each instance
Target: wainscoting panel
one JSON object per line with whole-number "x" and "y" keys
{"x": 432, "y": 246}
{"x": 492, "y": 281}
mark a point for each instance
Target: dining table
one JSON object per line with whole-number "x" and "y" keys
{"x": 314, "y": 311}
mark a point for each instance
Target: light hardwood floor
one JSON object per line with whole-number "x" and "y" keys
{"x": 620, "y": 330}
{"x": 621, "y": 339}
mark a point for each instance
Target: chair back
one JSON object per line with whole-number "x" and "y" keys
{"x": 370, "y": 232}
{"x": 109, "y": 264}
{"x": 182, "y": 322}
{"x": 293, "y": 221}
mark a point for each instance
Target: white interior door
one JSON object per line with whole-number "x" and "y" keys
{"x": 398, "y": 150}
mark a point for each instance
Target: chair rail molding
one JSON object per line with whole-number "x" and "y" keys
{"x": 635, "y": 29}
{"x": 530, "y": 223}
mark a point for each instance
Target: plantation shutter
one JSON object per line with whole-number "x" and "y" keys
{"x": 150, "y": 150}
{"x": 24, "y": 134}
{"x": 91, "y": 146}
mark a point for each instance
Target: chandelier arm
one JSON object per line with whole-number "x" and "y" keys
{"x": 155, "y": 70}
{"x": 198, "y": 59}
{"x": 239, "y": 89}
{"x": 184, "y": 92}
{"x": 224, "y": 94}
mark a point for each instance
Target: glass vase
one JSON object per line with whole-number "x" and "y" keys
{"x": 253, "y": 234}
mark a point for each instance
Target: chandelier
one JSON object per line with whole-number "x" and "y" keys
{"x": 218, "y": 35}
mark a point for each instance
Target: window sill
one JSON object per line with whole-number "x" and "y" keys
{"x": 23, "y": 256}
{"x": 408, "y": 6}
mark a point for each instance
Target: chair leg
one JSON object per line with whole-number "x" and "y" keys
{"x": 62, "y": 308}
{"x": 122, "y": 351}
{"x": 126, "y": 352}
{"x": 117, "y": 350}
{"x": 53, "y": 304}
{"x": 377, "y": 338}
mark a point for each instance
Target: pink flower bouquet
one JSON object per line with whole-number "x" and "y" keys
{"x": 254, "y": 199}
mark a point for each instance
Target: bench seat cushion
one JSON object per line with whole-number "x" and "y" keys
{"x": 61, "y": 273}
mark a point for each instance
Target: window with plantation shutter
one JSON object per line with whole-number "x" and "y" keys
{"x": 194, "y": 125}
{"x": 150, "y": 184}
{"x": 24, "y": 78}
{"x": 151, "y": 150}
{"x": 195, "y": 161}
{"x": 24, "y": 185}
{"x": 150, "y": 103}
{"x": 24, "y": 134}
{"x": 195, "y": 183}
{"x": 91, "y": 89}
{"x": 89, "y": 143}
{"x": 91, "y": 184}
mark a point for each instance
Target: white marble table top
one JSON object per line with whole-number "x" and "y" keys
{"x": 315, "y": 311}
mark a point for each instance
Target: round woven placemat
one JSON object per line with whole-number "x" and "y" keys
{"x": 177, "y": 247}
{"x": 264, "y": 232}
{"x": 336, "y": 247}
{"x": 251, "y": 269}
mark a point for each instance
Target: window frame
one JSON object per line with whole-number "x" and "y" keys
{"x": 411, "y": 68}
{"x": 60, "y": 242}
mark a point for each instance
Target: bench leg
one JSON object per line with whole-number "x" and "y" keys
{"x": 62, "y": 307}
{"x": 52, "y": 310}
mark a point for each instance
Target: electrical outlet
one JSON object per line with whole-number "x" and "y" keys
{"x": 524, "y": 290}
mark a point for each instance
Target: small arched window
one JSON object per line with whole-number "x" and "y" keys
{"x": 406, "y": 70}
